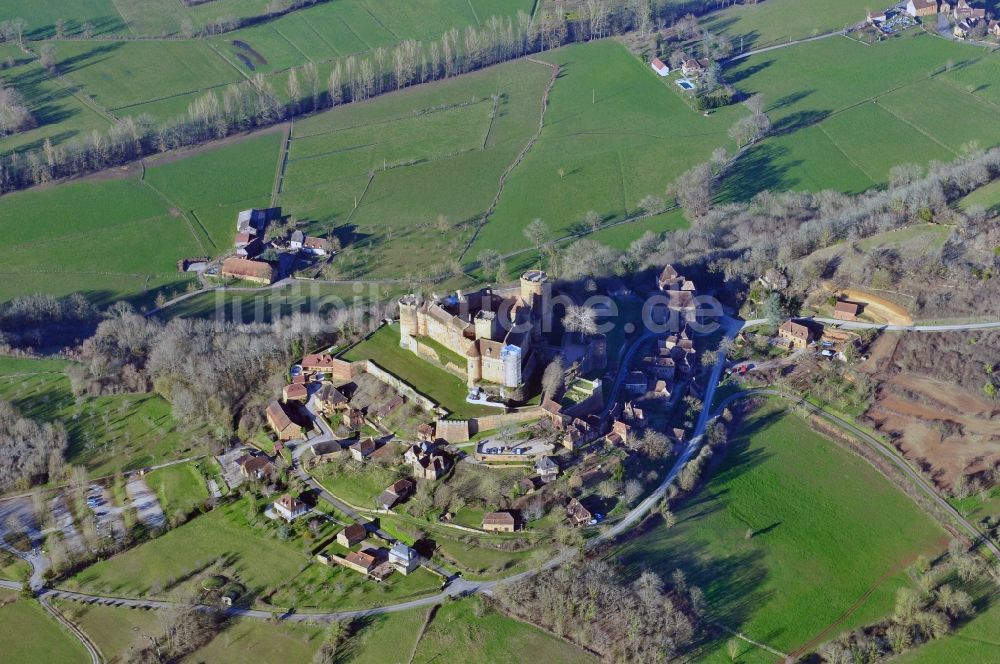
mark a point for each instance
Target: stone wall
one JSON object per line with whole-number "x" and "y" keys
{"x": 401, "y": 386}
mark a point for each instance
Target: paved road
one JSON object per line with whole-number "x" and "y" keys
{"x": 876, "y": 445}
{"x": 860, "y": 325}
{"x": 766, "y": 49}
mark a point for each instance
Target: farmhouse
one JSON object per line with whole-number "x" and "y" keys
{"x": 965, "y": 12}
{"x": 359, "y": 561}
{"x": 351, "y": 535}
{"x": 316, "y": 246}
{"x": 797, "y": 334}
{"x": 917, "y": 8}
{"x": 289, "y": 508}
{"x": 396, "y": 492}
{"x": 693, "y": 66}
{"x": 491, "y": 330}
{"x": 248, "y": 270}
{"x": 659, "y": 67}
{"x": 498, "y": 522}
{"x": 279, "y": 421}
{"x": 403, "y": 559}
{"x": 296, "y": 240}
{"x": 846, "y": 310}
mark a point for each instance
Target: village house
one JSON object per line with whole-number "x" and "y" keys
{"x": 295, "y": 242}
{"x": 498, "y": 522}
{"x": 289, "y": 508}
{"x": 279, "y": 421}
{"x": 621, "y": 432}
{"x": 330, "y": 400}
{"x": 359, "y": 561}
{"x": 362, "y": 449}
{"x": 295, "y": 392}
{"x": 352, "y": 535}
{"x": 659, "y": 67}
{"x": 325, "y": 363}
{"x": 425, "y": 433}
{"x": 577, "y": 513}
{"x": 396, "y": 492}
{"x": 248, "y": 270}
{"x": 554, "y": 412}
{"x": 403, "y": 558}
{"x": 796, "y": 334}
{"x": 846, "y": 310}
{"x": 546, "y": 468}
{"x": 426, "y": 463}
{"x": 963, "y": 11}
{"x": 579, "y": 432}
{"x": 353, "y": 419}
{"x": 255, "y": 467}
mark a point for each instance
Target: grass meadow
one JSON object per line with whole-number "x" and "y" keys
{"x": 278, "y": 573}
{"x": 106, "y": 434}
{"x": 58, "y": 108}
{"x": 30, "y": 635}
{"x": 831, "y": 537}
{"x": 776, "y": 21}
{"x": 41, "y": 16}
{"x": 843, "y": 131}
{"x": 179, "y": 488}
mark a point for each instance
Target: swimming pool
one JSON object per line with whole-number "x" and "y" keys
{"x": 685, "y": 84}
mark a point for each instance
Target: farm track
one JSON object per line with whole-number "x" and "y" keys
{"x": 282, "y": 165}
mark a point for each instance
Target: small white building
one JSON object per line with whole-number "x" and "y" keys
{"x": 403, "y": 559}
{"x": 289, "y": 508}
{"x": 297, "y": 238}
{"x": 659, "y": 67}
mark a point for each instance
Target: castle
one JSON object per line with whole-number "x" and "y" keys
{"x": 491, "y": 329}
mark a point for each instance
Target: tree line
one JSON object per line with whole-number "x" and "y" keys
{"x": 255, "y": 103}
{"x": 14, "y": 113}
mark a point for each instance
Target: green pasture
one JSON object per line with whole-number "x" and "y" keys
{"x": 41, "y": 16}
{"x": 179, "y": 488}
{"x": 988, "y": 197}
{"x": 829, "y": 536}
{"x": 776, "y": 21}
{"x": 57, "y": 107}
{"x": 120, "y": 75}
{"x": 835, "y": 129}
{"x": 402, "y": 157}
{"x": 31, "y": 635}
{"x": 614, "y": 133}
{"x": 471, "y": 631}
{"x": 278, "y": 573}
{"x": 106, "y": 434}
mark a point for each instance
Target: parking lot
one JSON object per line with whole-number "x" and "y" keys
{"x": 147, "y": 506}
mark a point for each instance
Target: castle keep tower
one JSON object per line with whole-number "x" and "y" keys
{"x": 486, "y": 325}
{"x": 533, "y": 285}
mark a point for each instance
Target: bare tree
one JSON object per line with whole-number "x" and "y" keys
{"x": 554, "y": 378}
{"x": 538, "y": 234}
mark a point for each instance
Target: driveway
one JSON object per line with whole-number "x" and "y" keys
{"x": 147, "y": 506}
{"x": 63, "y": 520}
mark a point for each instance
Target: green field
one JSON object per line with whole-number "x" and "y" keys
{"x": 616, "y": 131}
{"x": 106, "y": 434}
{"x": 832, "y": 537}
{"x": 988, "y": 197}
{"x": 121, "y": 238}
{"x": 843, "y": 131}
{"x": 30, "y": 635}
{"x": 179, "y": 488}
{"x": 441, "y": 386}
{"x": 278, "y": 573}
{"x": 775, "y": 21}
{"x": 41, "y": 16}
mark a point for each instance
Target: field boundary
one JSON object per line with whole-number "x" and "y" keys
{"x": 279, "y": 170}
{"x": 190, "y": 225}
{"x": 915, "y": 127}
{"x": 520, "y": 155}
{"x": 819, "y": 125}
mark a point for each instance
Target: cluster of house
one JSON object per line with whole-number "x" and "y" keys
{"x": 965, "y": 16}
{"x": 249, "y": 244}
{"x": 374, "y": 562}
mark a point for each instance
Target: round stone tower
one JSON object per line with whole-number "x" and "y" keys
{"x": 408, "y": 316}
{"x": 533, "y": 286}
